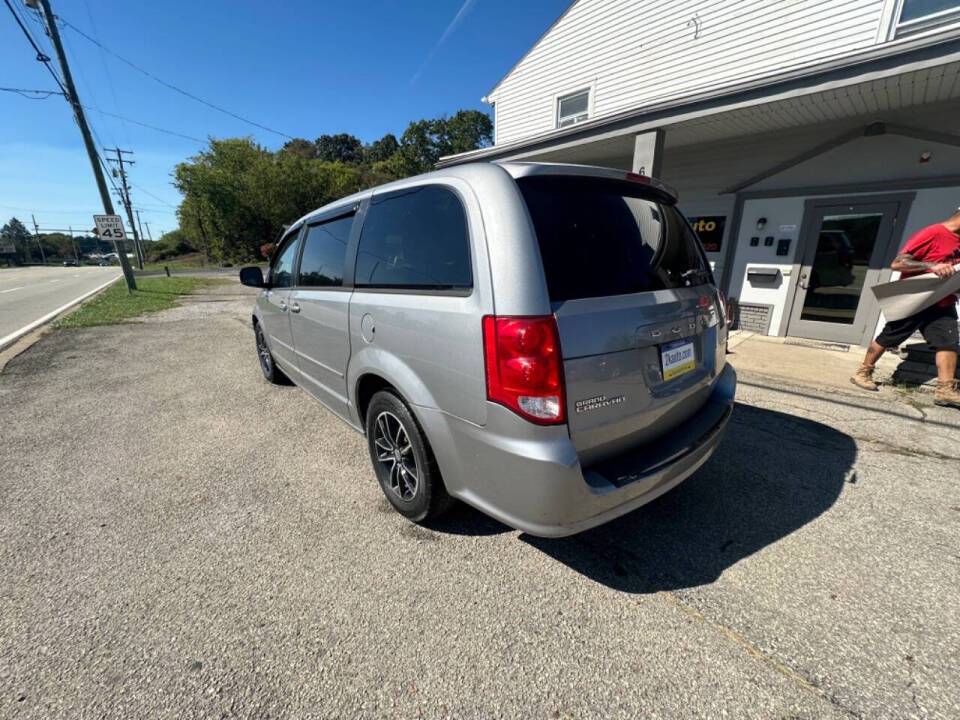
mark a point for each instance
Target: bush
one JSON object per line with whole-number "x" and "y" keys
{"x": 172, "y": 244}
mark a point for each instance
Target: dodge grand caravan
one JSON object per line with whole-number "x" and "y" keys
{"x": 544, "y": 342}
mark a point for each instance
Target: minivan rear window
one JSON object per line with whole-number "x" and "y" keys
{"x": 602, "y": 237}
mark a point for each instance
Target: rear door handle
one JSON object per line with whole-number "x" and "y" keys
{"x": 295, "y": 307}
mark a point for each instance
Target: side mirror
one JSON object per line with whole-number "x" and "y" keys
{"x": 252, "y": 277}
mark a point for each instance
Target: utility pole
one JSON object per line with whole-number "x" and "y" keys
{"x": 125, "y": 197}
{"x": 74, "y": 100}
{"x": 141, "y": 227}
{"x": 36, "y": 234}
{"x": 76, "y": 255}
{"x": 149, "y": 236}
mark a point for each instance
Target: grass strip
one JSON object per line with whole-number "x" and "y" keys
{"x": 115, "y": 304}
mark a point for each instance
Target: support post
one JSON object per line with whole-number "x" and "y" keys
{"x": 36, "y": 234}
{"x": 74, "y": 100}
{"x": 648, "y": 152}
{"x": 125, "y": 199}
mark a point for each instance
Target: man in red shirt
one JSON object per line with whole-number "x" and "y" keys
{"x": 934, "y": 249}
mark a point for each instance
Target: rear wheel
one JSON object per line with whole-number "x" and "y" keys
{"x": 402, "y": 459}
{"x": 271, "y": 372}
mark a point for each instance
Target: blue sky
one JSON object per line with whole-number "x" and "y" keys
{"x": 303, "y": 68}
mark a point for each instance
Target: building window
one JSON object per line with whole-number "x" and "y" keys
{"x": 573, "y": 108}
{"x": 918, "y": 15}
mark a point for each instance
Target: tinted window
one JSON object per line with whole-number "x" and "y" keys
{"x": 415, "y": 238}
{"x": 324, "y": 250}
{"x": 281, "y": 272}
{"x": 600, "y": 237}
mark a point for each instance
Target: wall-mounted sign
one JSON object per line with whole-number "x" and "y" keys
{"x": 710, "y": 229}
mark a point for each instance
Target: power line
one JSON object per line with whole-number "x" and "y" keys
{"x": 147, "y": 192}
{"x": 142, "y": 124}
{"x": 169, "y": 85}
{"x": 23, "y": 91}
{"x": 41, "y": 56}
{"x": 106, "y": 70}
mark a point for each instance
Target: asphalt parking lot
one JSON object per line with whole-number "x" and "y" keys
{"x": 179, "y": 539}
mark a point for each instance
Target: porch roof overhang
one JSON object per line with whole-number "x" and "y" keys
{"x": 898, "y": 74}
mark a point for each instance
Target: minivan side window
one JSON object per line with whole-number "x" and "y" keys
{"x": 415, "y": 239}
{"x": 281, "y": 272}
{"x": 324, "y": 252}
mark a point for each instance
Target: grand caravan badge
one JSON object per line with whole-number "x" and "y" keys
{"x": 597, "y": 402}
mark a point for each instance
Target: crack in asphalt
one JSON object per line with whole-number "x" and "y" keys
{"x": 739, "y": 640}
{"x": 776, "y": 665}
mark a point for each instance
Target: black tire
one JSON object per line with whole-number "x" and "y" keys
{"x": 402, "y": 459}
{"x": 268, "y": 367}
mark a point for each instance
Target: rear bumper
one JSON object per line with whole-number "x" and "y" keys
{"x": 530, "y": 477}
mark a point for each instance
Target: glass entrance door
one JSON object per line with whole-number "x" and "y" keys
{"x": 844, "y": 254}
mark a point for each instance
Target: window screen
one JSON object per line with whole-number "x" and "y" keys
{"x": 602, "y": 237}
{"x": 416, "y": 239}
{"x": 573, "y": 108}
{"x": 281, "y": 273}
{"x": 324, "y": 252}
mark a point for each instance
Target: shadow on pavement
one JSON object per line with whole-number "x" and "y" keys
{"x": 772, "y": 474}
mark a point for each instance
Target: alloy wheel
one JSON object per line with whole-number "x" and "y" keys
{"x": 395, "y": 454}
{"x": 263, "y": 353}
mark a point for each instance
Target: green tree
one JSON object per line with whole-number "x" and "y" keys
{"x": 238, "y": 195}
{"x": 301, "y": 148}
{"x": 343, "y": 148}
{"x": 426, "y": 141}
{"x": 16, "y": 232}
{"x": 382, "y": 149}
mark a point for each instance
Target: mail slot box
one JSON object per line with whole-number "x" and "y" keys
{"x": 763, "y": 275}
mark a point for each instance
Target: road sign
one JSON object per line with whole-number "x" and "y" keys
{"x": 110, "y": 227}
{"x": 7, "y": 249}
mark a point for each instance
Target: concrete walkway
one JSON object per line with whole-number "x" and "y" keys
{"x": 787, "y": 360}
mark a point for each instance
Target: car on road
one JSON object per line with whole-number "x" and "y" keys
{"x": 543, "y": 342}
{"x": 69, "y": 262}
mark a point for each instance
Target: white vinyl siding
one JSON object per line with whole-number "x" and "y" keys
{"x": 636, "y": 52}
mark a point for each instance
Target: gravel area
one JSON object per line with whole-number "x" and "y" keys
{"x": 179, "y": 539}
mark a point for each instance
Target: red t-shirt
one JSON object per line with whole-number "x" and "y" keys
{"x": 934, "y": 244}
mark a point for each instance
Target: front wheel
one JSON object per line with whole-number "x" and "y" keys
{"x": 402, "y": 459}
{"x": 268, "y": 367}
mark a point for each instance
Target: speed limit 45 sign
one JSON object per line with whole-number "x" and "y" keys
{"x": 110, "y": 227}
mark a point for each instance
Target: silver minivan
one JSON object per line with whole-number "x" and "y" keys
{"x": 544, "y": 342}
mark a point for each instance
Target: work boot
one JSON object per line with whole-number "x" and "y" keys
{"x": 947, "y": 394}
{"x": 864, "y": 378}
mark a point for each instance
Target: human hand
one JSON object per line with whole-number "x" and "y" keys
{"x": 943, "y": 270}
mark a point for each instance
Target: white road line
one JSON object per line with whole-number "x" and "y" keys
{"x": 17, "y": 334}
{"x": 12, "y": 289}
{"x": 58, "y": 280}
{"x": 77, "y": 275}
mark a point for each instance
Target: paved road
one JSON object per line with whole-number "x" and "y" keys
{"x": 179, "y": 539}
{"x": 29, "y": 293}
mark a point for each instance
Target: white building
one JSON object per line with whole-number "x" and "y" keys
{"x": 808, "y": 138}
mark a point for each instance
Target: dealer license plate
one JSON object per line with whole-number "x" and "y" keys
{"x": 677, "y": 358}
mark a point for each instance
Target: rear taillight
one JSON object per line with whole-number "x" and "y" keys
{"x": 724, "y": 308}
{"x": 523, "y": 366}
